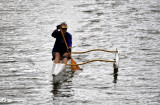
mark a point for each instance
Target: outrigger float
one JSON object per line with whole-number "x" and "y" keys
{"x": 60, "y": 68}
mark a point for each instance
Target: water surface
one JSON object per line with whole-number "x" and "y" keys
{"x": 131, "y": 26}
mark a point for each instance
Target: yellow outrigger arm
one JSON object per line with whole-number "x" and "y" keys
{"x": 115, "y": 61}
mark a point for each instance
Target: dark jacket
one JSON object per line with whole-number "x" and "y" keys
{"x": 59, "y": 45}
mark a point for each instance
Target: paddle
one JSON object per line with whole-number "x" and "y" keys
{"x": 74, "y": 66}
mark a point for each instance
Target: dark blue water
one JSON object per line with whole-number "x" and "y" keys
{"x": 131, "y": 26}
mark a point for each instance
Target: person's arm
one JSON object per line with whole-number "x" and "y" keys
{"x": 70, "y": 42}
{"x": 55, "y": 32}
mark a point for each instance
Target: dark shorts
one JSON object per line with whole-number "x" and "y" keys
{"x": 61, "y": 54}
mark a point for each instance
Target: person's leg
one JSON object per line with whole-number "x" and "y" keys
{"x": 65, "y": 57}
{"x": 57, "y": 57}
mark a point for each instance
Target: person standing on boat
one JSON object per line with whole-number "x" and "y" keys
{"x": 60, "y": 50}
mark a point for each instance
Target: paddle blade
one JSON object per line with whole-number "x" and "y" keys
{"x": 74, "y": 67}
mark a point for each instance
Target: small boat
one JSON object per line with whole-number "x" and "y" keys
{"x": 60, "y": 71}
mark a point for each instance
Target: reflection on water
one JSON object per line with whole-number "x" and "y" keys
{"x": 55, "y": 91}
{"x": 62, "y": 84}
{"x": 61, "y": 90}
{"x": 115, "y": 75}
{"x": 132, "y": 26}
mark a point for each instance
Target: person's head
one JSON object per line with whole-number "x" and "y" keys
{"x": 64, "y": 27}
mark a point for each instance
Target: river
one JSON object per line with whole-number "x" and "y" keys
{"x": 131, "y": 26}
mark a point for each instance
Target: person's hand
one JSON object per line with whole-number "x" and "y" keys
{"x": 69, "y": 49}
{"x": 58, "y": 27}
